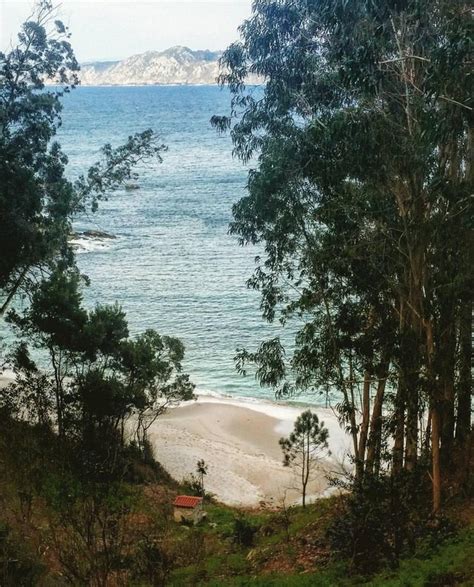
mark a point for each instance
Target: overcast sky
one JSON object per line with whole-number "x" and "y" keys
{"x": 114, "y": 29}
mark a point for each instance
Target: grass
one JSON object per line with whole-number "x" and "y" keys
{"x": 449, "y": 563}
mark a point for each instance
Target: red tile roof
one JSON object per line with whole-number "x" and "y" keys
{"x": 187, "y": 501}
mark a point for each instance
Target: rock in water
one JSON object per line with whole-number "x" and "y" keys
{"x": 98, "y": 234}
{"x": 131, "y": 186}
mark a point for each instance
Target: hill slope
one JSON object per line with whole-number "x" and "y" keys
{"x": 177, "y": 65}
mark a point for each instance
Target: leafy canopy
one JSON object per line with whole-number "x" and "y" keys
{"x": 37, "y": 199}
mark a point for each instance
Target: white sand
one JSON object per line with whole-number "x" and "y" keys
{"x": 239, "y": 442}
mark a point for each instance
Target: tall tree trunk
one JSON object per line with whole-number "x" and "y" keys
{"x": 364, "y": 427}
{"x": 375, "y": 440}
{"x": 446, "y": 363}
{"x": 399, "y": 428}
{"x": 411, "y": 452}
{"x": 427, "y": 439}
{"x": 399, "y": 407}
{"x": 58, "y": 391}
{"x": 351, "y": 402}
{"x": 464, "y": 434}
{"x": 412, "y": 343}
{"x": 13, "y": 291}
{"x": 436, "y": 471}
{"x": 411, "y": 365}
{"x": 464, "y": 390}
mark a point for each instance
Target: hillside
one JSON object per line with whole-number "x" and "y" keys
{"x": 177, "y": 65}
{"x": 56, "y": 529}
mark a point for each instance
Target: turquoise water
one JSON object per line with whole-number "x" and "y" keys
{"x": 173, "y": 266}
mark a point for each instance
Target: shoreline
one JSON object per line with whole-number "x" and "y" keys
{"x": 150, "y": 85}
{"x": 238, "y": 440}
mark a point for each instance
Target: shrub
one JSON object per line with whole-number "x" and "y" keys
{"x": 18, "y": 566}
{"x": 383, "y": 518}
{"x": 153, "y": 562}
{"x": 192, "y": 486}
{"x": 243, "y": 532}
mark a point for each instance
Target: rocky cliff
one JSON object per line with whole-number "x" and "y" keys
{"x": 177, "y": 65}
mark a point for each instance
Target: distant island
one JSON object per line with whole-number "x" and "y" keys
{"x": 175, "y": 66}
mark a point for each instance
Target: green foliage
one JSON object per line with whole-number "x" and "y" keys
{"x": 75, "y": 513}
{"x": 79, "y": 376}
{"x": 192, "y": 485}
{"x": 386, "y": 519}
{"x": 447, "y": 563}
{"x": 152, "y": 563}
{"x": 308, "y": 435}
{"x": 88, "y": 528}
{"x": 222, "y": 517}
{"x": 18, "y": 565}
{"x": 91, "y": 377}
{"x": 116, "y": 167}
{"x": 201, "y": 467}
{"x": 142, "y": 468}
{"x": 37, "y": 200}
{"x": 304, "y": 446}
{"x": 244, "y": 531}
{"x": 360, "y": 200}
{"x": 31, "y": 174}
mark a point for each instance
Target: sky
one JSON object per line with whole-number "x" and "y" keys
{"x": 115, "y": 29}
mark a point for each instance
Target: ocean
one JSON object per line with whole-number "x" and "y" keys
{"x": 173, "y": 266}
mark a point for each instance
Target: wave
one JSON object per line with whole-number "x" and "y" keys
{"x": 276, "y": 408}
{"x": 285, "y": 415}
{"x": 301, "y": 403}
{"x": 89, "y": 245}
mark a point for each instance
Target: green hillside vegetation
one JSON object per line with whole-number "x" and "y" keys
{"x": 361, "y": 200}
{"x": 56, "y": 530}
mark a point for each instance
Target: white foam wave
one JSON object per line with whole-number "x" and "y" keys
{"x": 90, "y": 245}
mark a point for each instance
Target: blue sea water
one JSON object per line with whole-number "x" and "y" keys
{"x": 173, "y": 266}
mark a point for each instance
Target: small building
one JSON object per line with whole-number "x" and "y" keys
{"x": 188, "y": 508}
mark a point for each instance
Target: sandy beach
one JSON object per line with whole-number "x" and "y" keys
{"x": 238, "y": 440}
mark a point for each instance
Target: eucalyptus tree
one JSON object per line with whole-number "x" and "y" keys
{"x": 362, "y": 198}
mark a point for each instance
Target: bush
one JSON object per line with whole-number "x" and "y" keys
{"x": 89, "y": 529}
{"x": 152, "y": 562}
{"x": 243, "y": 532}
{"x": 383, "y": 519}
{"x": 141, "y": 466}
{"x": 190, "y": 548}
{"x": 192, "y": 486}
{"x": 18, "y": 566}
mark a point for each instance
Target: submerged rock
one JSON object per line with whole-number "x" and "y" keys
{"x": 100, "y": 234}
{"x": 132, "y": 186}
